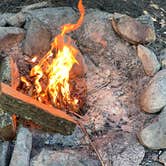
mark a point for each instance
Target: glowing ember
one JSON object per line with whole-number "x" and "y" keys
{"x": 34, "y": 59}
{"x": 51, "y": 75}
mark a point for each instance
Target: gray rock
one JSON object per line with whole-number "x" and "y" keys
{"x": 5, "y": 68}
{"x": 147, "y": 20}
{"x": 54, "y": 18}
{"x": 35, "y": 6}
{"x": 154, "y": 163}
{"x": 37, "y": 41}
{"x": 54, "y": 140}
{"x": 4, "y": 147}
{"x": 131, "y": 156}
{"x": 6, "y": 127}
{"x": 134, "y": 32}
{"x": 153, "y": 98}
{"x": 22, "y": 149}
{"x": 3, "y": 18}
{"x": 162, "y": 58}
{"x": 63, "y": 158}
{"x": 121, "y": 149}
{"x": 10, "y": 35}
{"x": 162, "y": 158}
{"x": 153, "y": 136}
{"x": 16, "y": 20}
{"x": 148, "y": 59}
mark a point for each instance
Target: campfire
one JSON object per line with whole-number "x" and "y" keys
{"x": 55, "y": 112}
{"x": 52, "y": 85}
{"x": 49, "y": 81}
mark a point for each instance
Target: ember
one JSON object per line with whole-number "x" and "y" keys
{"x": 49, "y": 80}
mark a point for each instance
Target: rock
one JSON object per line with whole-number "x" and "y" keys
{"x": 4, "y": 153}
{"x": 22, "y": 149}
{"x": 6, "y": 127}
{"x": 153, "y": 136}
{"x": 3, "y": 19}
{"x": 134, "y": 32}
{"x": 79, "y": 69}
{"x": 16, "y": 20}
{"x": 54, "y": 18}
{"x": 65, "y": 158}
{"x": 155, "y": 163}
{"x": 148, "y": 59}
{"x": 37, "y": 41}
{"x": 10, "y": 35}
{"x": 162, "y": 158}
{"x": 162, "y": 58}
{"x": 131, "y": 156}
{"x": 35, "y": 6}
{"x": 147, "y": 20}
{"x": 153, "y": 98}
{"x": 58, "y": 140}
{"x": 5, "y": 68}
{"x": 121, "y": 149}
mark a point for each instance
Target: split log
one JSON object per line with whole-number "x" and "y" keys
{"x": 48, "y": 117}
{"x": 14, "y": 102}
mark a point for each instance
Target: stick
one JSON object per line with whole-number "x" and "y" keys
{"x": 91, "y": 143}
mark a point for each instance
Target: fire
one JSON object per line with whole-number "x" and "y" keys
{"x": 54, "y": 68}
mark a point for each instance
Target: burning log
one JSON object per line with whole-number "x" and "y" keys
{"x": 50, "y": 85}
{"x": 48, "y": 117}
{"x": 14, "y": 102}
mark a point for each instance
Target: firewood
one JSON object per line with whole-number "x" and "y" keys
{"x": 14, "y": 102}
{"x": 48, "y": 117}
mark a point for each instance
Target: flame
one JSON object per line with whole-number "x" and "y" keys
{"x": 55, "y": 66}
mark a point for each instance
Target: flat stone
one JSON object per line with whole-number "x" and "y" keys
{"x": 132, "y": 30}
{"x": 10, "y": 35}
{"x": 54, "y": 18}
{"x": 148, "y": 59}
{"x": 4, "y": 156}
{"x": 162, "y": 58}
{"x": 22, "y": 149}
{"x": 38, "y": 37}
{"x": 63, "y": 158}
{"x": 153, "y": 97}
{"x": 16, "y": 20}
{"x": 54, "y": 140}
{"x": 153, "y": 136}
{"x": 121, "y": 149}
{"x": 162, "y": 158}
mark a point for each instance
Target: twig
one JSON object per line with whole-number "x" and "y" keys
{"x": 91, "y": 143}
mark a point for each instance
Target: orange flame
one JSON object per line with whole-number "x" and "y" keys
{"x": 56, "y": 65}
